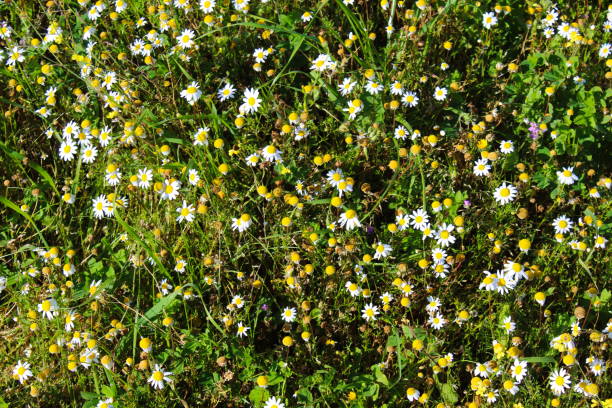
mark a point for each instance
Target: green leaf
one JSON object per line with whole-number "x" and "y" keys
{"x": 379, "y": 375}
{"x": 542, "y": 359}
{"x": 448, "y": 393}
{"x": 258, "y": 395}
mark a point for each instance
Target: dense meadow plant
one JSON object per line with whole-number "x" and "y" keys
{"x": 292, "y": 203}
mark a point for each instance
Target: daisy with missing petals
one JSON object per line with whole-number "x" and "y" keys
{"x": 567, "y": 176}
{"x": 21, "y": 371}
{"x": 505, "y": 193}
{"x": 250, "y": 101}
{"x": 559, "y": 381}
{"x": 186, "y": 212}
{"x": 252, "y": 160}
{"x": 200, "y": 137}
{"x": 241, "y": 329}
{"x": 346, "y": 87}
{"x": 159, "y": 376}
{"x": 48, "y": 308}
{"x": 289, "y": 314}
{"x": 349, "y": 220}
{"x": 321, "y": 63}
{"x": 242, "y": 223}
{"x": 352, "y": 288}
{"x": 508, "y": 325}
{"x": 382, "y": 250}
{"x": 106, "y": 403}
{"x": 170, "y": 189}
{"x": 192, "y": 93}
{"x": 369, "y": 312}
{"x": 271, "y": 154}
{"x": 412, "y": 394}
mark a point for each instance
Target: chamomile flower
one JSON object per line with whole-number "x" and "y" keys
{"x": 349, "y": 220}
{"x": 410, "y": 99}
{"x": 274, "y": 402}
{"x": 144, "y": 178}
{"x": 567, "y": 176}
{"x": 185, "y": 212}
{"x": 48, "y": 308}
{"x": 271, "y": 154}
{"x": 192, "y": 93}
{"x": 22, "y": 371}
{"x": 559, "y": 381}
{"x": 489, "y": 20}
{"x": 440, "y": 93}
{"x": 508, "y": 325}
{"x": 373, "y": 87}
{"x": 369, "y": 312}
{"x": 400, "y": 133}
{"x": 436, "y": 321}
{"x": 562, "y": 224}
{"x": 67, "y": 150}
{"x": 250, "y": 101}
{"x": 242, "y": 223}
{"x": 193, "y": 177}
{"x": 505, "y": 193}
{"x": 518, "y": 371}
{"x": 289, "y": 314}
{"x": 89, "y": 154}
{"x": 444, "y": 235}
{"x": 346, "y": 87}
{"x": 226, "y": 92}
{"x": 159, "y": 377}
{"x": 169, "y": 189}
{"x": 506, "y": 146}
{"x": 412, "y": 394}
{"x": 382, "y": 250}
{"x": 321, "y": 63}
{"x": 105, "y": 403}
{"x": 252, "y": 159}
{"x": 481, "y": 167}
{"x": 185, "y": 39}
{"x": 419, "y": 219}
{"x": 241, "y": 329}
{"x": 396, "y": 88}
{"x": 100, "y": 206}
